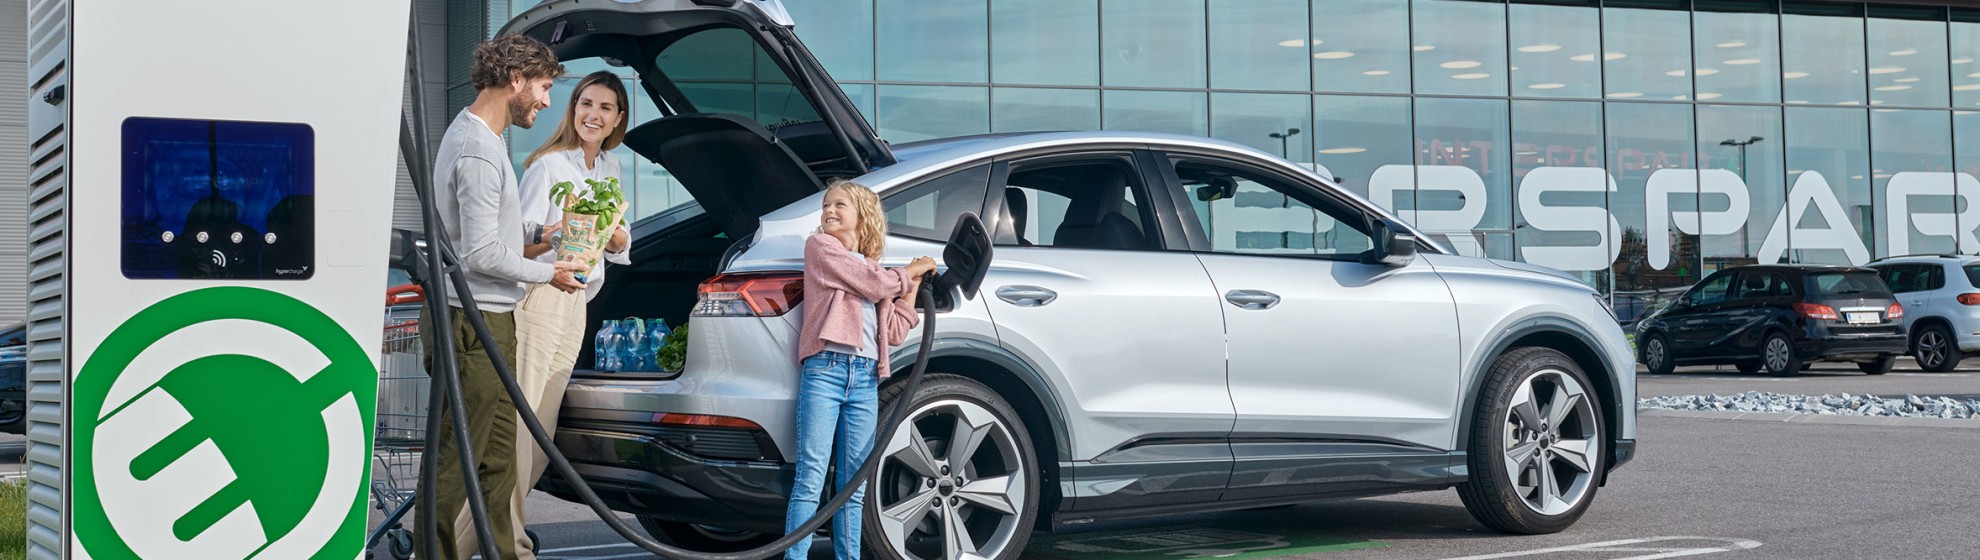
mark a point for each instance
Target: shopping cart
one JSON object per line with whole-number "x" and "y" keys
{"x": 400, "y": 434}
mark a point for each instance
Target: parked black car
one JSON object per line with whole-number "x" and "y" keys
{"x": 13, "y": 379}
{"x": 1778, "y": 318}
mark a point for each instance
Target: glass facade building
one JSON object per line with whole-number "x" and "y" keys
{"x": 1639, "y": 144}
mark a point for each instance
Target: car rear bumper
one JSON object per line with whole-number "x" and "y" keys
{"x": 1625, "y": 450}
{"x": 646, "y": 475}
{"x": 1821, "y": 344}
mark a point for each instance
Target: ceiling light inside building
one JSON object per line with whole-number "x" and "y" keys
{"x": 1547, "y": 86}
{"x": 1886, "y": 70}
{"x": 1299, "y": 42}
{"x": 1582, "y": 58}
{"x": 1705, "y": 96}
{"x": 1375, "y": 73}
{"x": 1905, "y": 80}
{"x": 1732, "y": 44}
{"x": 1707, "y": 71}
{"x": 1614, "y": 56}
{"x": 1473, "y": 76}
{"x": 1625, "y": 95}
{"x": 1742, "y": 61}
{"x": 1794, "y": 75}
{"x": 1966, "y": 87}
{"x": 1346, "y": 150}
{"x": 1675, "y": 73}
{"x": 1962, "y": 61}
{"x": 1905, "y": 52}
{"x": 1893, "y": 88}
{"x": 1422, "y": 48}
{"x": 1462, "y": 64}
{"x": 1333, "y": 55}
{"x": 1547, "y": 47}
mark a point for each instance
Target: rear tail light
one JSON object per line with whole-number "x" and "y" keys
{"x": 749, "y": 295}
{"x": 1969, "y": 299}
{"x": 703, "y": 421}
{"x": 1816, "y": 311}
{"x": 1895, "y": 312}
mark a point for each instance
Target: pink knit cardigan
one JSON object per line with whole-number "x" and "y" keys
{"x": 835, "y": 283}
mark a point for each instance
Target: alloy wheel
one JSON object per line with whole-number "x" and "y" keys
{"x": 1551, "y": 444}
{"x": 953, "y": 484}
{"x": 1931, "y": 349}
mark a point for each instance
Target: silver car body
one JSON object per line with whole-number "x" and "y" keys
{"x": 1941, "y": 305}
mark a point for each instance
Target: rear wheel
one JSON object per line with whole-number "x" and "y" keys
{"x": 1657, "y": 355}
{"x": 959, "y": 478}
{"x": 1936, "y": 350}
{"x": 1537, "y": 444}
{"x": 703, "y": 538}
{"x": 1778, "y": 357}
{"x": 1879, "y": 366}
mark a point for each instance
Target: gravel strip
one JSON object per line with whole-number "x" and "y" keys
{"x": 1910, "y": 406}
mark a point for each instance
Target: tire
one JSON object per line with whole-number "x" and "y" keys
{"x": 1778, "y": 356}
{"x": 1516, "y": 475}
{"x": 703, "y": 538}
{"x": 1935, "y": 349}
{"x": 1657, "y": 355}
{"x": 906, "y": 516}
{"x": 1747, "y": 367}
{"x": 1879, "y": 366}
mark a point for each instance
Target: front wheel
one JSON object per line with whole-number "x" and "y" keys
{"x": 959, "y": 477}
{"x": 1657, "y": 355}
{"x": 1879, "y": 366}
{"x": 1536, "y": 446}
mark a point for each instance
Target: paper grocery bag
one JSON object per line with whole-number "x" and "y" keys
{"x": 584, "y": 236}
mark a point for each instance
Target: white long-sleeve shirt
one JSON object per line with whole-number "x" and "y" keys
{"x": 568, "y": 165}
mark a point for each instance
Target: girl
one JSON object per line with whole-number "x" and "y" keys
{"x": 854, "y": 312}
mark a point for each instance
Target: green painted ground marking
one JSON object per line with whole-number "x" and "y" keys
{"x": 1217, "y": 540}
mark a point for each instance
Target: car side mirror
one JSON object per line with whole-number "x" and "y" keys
{"x": 1220, "y": 188}
{"x": 1393, "y": 246}
{"x": 968, "y": 258}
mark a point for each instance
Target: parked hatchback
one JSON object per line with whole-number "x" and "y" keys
{"x": 13, "y": 379}
{"x": 1777, "y": 319}
{"x": 1170, "y": 324}
{"x": 1941, "y": 299}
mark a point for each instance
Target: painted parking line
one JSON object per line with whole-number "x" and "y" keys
{"x": 1602, "y": 550}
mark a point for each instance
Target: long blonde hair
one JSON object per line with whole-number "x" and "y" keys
{"x": 872, "y": 217}
{"x": 566, "y": 136}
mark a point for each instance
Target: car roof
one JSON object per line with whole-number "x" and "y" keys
{"x": 1927, "y": 258}
{"x": 1799, "y": 268}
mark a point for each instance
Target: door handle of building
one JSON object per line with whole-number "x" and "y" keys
{"x": 1026, "y": 296}
{"x": 1258, "y": 300}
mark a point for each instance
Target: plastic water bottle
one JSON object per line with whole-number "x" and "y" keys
{"x": 631, "y": 350}
{"x": 604, "y": 349}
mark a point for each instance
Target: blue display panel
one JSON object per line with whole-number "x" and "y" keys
{"x": 218, "y": 200}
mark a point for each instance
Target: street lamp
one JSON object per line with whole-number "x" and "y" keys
{"x": 1744, "y": 242}
{"x": 1282, "y": 136}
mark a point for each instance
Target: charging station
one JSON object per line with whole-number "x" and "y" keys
{"x": 221, "y": 225}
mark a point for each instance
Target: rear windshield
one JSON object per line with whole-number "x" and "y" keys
{"x": 1973, "y": 274}
{"x": 1856, "y": 284}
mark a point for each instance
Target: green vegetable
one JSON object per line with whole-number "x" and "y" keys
{"x": 604, "y": 200}
{"x": 673, "y": 350}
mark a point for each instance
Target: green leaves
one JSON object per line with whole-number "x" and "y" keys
{"x": 673, "y": 350}
{"x": 603, "y": 201}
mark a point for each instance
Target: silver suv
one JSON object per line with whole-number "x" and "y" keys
{"x": 1170, "y": 324}
{"x": 1941, "y": 299}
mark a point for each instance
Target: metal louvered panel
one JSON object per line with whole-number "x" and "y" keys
{"x": 46, "y": 275}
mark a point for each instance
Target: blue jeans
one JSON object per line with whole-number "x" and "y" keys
{"x": 836, "y": 393}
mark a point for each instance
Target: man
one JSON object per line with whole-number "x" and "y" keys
{"x": 475, "y": 191}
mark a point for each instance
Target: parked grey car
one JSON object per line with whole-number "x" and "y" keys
{"x": 1941, "y": 298}
{"x": 1170, "y": 324}
{"x": 13, "y": 379}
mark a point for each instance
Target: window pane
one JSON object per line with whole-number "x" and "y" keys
{"x": 1470, "y": 134}
{"x": 1180, "y": 112}
{"x": 1644, "y": 140}
{"x": 1470, "y": 41}
{"x": 1255, "y": 44}
{"x": 724, "y": 70}
{"x": 1153, "y": 43}
{"x": 1357, "y": 135}
{"x": 1966, "y": 160}
{"x": 1823, "y": 60}
{"x": 1908, "y": 63}
{"x": 650, "y": 187}
{"x": 1648, "y": 51}
{"x": 911, "y": 113}
{"x": 1361, "y": 46}
{"x": 929, "y": 211}
{"x": 1088, "y": 205}
{"x": 1546, "y": 40}
{"x": 1828, "y": 152}
{"x": 1910, "y": 152}
{"x": 1738, "y": 56}
{"x": 933, "y": 41}
{"x": 1747, "y": 142}
{"x": 1272, "y": 122}
{"x": 1047, "y": 42}
{"x": 839, "y": 33}
{"x": 1562, "y": 217}
{"x": 1023, "y": 109}
{"x": 861, "y": 96}
{"x": 1253, "y": 214}
{"x": 1965, "y": 74}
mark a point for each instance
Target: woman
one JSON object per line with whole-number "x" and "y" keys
{"x": 550, "y": 323}
{"x": 854, "y": 312}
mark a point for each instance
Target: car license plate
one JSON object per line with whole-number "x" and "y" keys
{"x": 1861, "y": 317}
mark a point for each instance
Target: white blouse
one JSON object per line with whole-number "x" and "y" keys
{"x": 557, "y": 167}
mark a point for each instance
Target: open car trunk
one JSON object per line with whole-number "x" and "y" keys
{"x": 750, "y": 123}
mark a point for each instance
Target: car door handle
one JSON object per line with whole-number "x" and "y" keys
{"x": 1258, "y": 300}
{"x": 1026, "y": 296}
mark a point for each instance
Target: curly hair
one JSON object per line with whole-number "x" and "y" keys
{"x": 503, "y": 59}
{"x": 872, "y": 217}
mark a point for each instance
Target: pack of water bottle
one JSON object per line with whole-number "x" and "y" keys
{"x": 629, "y": 344}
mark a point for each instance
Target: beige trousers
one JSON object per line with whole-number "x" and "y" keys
{"x": 549, "y": 334}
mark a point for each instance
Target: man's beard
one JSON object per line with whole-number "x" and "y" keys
{"x": 520, "y": 109}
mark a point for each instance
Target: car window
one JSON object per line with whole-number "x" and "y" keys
{"x": 1856, "y": 284}
{"x": 1897, "y": 276}
{"x": 1935, "y": 277}
{"x": 14, "y": 335}
{"x": 1712, "y": 290}
{"x": 1758, "y": 285}
{"x": 1246, "y": 212}
{"x": 1973, "y": 275}
{"x": 929, "y": 210}
{"x": 1086, "y": 204}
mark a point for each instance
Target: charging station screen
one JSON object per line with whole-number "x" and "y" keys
{"x": 218, "y": 200}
